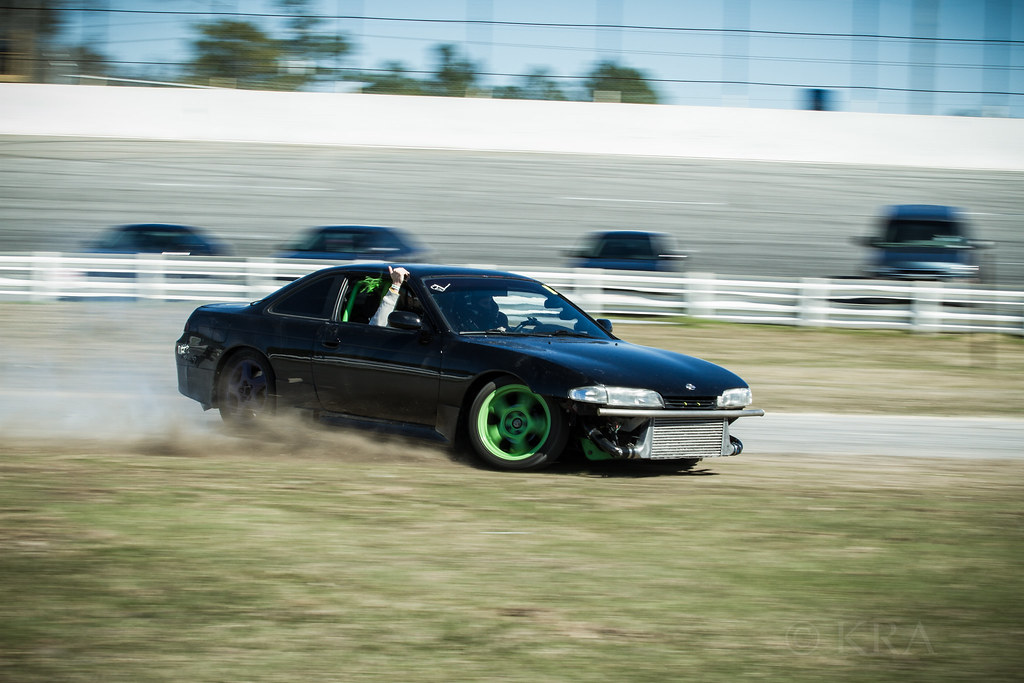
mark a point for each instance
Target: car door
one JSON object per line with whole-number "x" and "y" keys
{"x": 377, "y": 372}
{"x": 295, "y": 321}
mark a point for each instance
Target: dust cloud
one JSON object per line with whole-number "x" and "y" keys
{"x": 100, "y": 376}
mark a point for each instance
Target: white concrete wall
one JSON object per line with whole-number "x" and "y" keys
{"x": 510, "y": 125}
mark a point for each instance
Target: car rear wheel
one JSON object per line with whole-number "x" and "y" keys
{"x": 246, "y": 389}
{"x": 512, "y": 428}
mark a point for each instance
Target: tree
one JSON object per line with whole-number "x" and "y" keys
{"x": 391, "y": 79}
{"x": 537, "y": 85}
{"x": 631, "y": 84}
{"x": 238, "y": 51}
{"x": 455, "y": 76}
{"x": 90, "y": 62}
{"x": 25, "y": 31}
{"x": 306, "y": 50}
{"x": 242, "y": 52}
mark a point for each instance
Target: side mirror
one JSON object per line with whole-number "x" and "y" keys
{"x": 404, "y": 320}
{"x": 605, "y": 324}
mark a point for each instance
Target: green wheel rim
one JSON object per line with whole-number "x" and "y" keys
{"x": 513, "y": 422}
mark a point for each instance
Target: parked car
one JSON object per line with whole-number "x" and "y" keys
{"x": 157, "y": 238}
{"x": 923, "y": 242}
{"x": 354, "y": 243}
{"x": 626, "y": 250}
{"x": 498, "y": 360}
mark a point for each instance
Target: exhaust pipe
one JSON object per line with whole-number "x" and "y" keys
{"x": 737, "y": 445}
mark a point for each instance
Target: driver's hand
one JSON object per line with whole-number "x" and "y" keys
{"x": 398, "y": 275}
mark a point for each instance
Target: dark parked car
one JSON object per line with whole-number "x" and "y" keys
{"x": 626, "y": 250}
{"x": 157, "y": 238}
{"x": 501, "y": 360}
{"x": 355, "y": 243}
{"x": 923, "y": 242}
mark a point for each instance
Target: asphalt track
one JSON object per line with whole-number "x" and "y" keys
{"x": 508, "y": 209}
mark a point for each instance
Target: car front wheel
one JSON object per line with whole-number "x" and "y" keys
{"x": 246, "y": 389}
{"x": 512, "y": 428}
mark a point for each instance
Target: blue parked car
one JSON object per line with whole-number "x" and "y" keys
{"x": 626, "y": 250}
{"x": 355, "y": 243}
{"x": 156, "y": 238}
{"x": 923, "y": 242}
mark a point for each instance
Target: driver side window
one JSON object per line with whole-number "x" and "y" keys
{"x": 363, "y": 294}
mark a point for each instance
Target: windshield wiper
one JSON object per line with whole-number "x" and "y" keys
{"x": 497, "y": 330}
{"x": 562, "y": 333}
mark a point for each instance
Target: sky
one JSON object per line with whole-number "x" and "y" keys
{"x": 760, "y": 53}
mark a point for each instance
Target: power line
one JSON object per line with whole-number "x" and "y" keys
{"x": 553, "y": 25}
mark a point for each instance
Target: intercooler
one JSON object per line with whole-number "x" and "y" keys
{"x": 683, "y": 438}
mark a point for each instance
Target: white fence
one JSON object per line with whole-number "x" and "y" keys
{"x": 919, "y": 306}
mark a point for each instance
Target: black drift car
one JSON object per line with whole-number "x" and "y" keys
{"x": 500, "y": 360}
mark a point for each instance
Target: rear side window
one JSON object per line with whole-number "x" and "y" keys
{"x": 628, "y": 247}
{"x": 342, "y": 241}
{"x": 315, "y": 300}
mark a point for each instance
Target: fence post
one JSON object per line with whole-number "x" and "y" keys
{"x": 150, "y": 277}
{"x": 45, "y": 267}
{"x": 256, "y": 276}
{"x": 700, "y": 302}
{"x": 813, "y": 304}
{"x": 588, "y": 298}
{"x": 926, "y": 314}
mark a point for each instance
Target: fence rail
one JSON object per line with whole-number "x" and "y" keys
{"x": 919, "y": 306}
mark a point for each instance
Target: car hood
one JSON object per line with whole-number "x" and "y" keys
{"x": 619, "y": 363}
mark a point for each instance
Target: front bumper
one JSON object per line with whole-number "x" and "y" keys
{"x": 653, "y": 434}
{"x": 684, "y": 414}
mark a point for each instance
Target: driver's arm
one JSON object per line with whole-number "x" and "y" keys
{"x": 387, "y": 304}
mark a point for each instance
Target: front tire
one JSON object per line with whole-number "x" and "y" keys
{"x": 512, "y": 428}
{"x": 245, "y": 390}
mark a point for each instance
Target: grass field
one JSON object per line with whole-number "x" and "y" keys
{"x": 319, "y": 555}
{"x": 327, "y": 557}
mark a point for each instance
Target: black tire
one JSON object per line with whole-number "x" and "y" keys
{"x": 512, "y": 428}
{"x": 245, "y": 389}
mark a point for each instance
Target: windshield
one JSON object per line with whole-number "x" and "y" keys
{"x": 924, "y": 233}
{"x": 473, "y": 305}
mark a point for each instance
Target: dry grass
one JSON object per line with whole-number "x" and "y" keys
{"x": 325, "y": 557}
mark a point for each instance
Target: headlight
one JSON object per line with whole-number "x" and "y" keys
{"x": 622, "y": 397}
{"x": 735, "y": 398}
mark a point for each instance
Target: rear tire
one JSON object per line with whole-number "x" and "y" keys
{"x": 512, "y": 428}
{"x": 245, "y": 390}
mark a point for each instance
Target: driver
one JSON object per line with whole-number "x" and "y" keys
{"x": 480, "y": 313}
{"x": 387, "y": 304}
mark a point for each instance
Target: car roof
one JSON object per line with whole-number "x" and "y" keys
{"x": 923, "y": 211}
{"x": 139, "y": 227}
{"x": 348, "y": 228}
{"x": 426, "y": 270}
{"x": 625, "y": 233}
